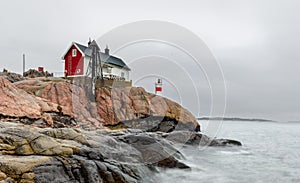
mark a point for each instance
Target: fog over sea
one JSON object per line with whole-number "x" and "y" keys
{"x": 270, "y": 153}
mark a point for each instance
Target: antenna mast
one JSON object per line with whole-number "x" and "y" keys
{"x": 23, "y": 65}
{"x": 96, "y": 64}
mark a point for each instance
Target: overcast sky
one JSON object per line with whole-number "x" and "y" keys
{"x": 256, "y": 42}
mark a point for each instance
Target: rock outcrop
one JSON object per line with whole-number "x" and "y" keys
{"x": 112, "y": 106}
{"x": 70, "y": 98}
{"x": 12, "y": 77}
{"x": 32, "y": 154}
{"x": 32, "y": 73}
{"x": 196, "y": 139}
{"x": 51, "y": 131}
{"x": 16, "y": 104}
{"x": 139, "y": 109}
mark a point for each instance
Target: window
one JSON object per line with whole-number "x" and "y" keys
{"x": 122, "y": 74}
{"x": 74, "y": 53}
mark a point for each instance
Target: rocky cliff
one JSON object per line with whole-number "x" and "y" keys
{"x": 53, "y": 131}
{"x": 136, "y": 108}
{"x": 70, "y": 100}
{"x": 111, "y": 106}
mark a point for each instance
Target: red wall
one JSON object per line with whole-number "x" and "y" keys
{"x": 74, "y": 65}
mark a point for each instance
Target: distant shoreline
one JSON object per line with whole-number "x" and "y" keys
{"x": 234, "y": 119}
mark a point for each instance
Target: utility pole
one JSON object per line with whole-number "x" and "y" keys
{"x": 23, "y": 64}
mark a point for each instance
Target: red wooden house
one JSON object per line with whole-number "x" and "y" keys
{"x": 78, "y": 60}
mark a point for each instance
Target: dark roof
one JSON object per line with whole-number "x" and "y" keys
{"x": 109, "y": 59}
{"x": 81, "y": 47}
{"x": 113, "y": 60}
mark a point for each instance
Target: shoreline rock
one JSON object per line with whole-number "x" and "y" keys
{"x": 33, "y": 154}
{"x": 50, "y": 131}
{"x": 156, "y": 124}
{"x": 66, "y": 155}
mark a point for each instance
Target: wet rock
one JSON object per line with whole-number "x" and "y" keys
{"x": 171, "y": 162}
{"x": 32, "y": 154}
{"x": 155, "y": 151}
{"x": 195, "y": 138}
{"x": 156, "y": 124}
{"x": 225, "y": 142}
{"x": 53, "y": 171}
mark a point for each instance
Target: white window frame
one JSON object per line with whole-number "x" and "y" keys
{"x": 74, "y": 52}
{"x": 109, "y": 70}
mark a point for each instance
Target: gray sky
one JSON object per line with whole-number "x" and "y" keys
{"x": 256, "y": 42}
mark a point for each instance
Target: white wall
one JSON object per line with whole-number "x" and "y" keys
{"x": 118, "y": 72}
{"x": 114, "y": 71}
{"x": 86, "y": 65}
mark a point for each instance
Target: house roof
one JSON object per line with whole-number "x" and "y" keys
{"x": 81, "y": 47}
{"x": 109, "y": 59}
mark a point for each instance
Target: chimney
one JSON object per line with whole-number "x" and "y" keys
{"x": 89, "y": 42}
{"x": 106, "y": 50}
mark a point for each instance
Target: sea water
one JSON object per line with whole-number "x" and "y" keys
{"x": 270, "y": 153}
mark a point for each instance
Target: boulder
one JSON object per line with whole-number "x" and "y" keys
{"x": 154, "y": 150}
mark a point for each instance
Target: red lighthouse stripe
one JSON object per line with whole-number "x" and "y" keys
{"x": 158, "y": 89}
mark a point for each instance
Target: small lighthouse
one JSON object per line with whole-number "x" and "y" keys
{"x": 158, "y": 87}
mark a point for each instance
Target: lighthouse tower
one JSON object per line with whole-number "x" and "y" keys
{"x": 158, "y": 87}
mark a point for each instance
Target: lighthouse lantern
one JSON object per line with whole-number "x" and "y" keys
{"x": 158, "y": 87}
